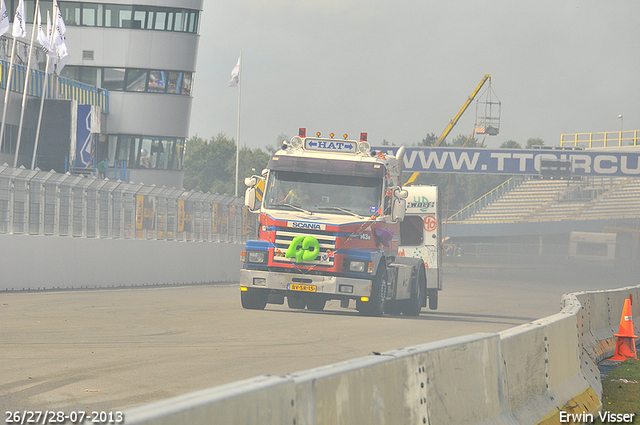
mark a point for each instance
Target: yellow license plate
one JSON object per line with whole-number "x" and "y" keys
{"x": 305, "y": 288}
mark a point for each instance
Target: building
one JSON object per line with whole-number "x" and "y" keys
{"x": 144, "y": 53}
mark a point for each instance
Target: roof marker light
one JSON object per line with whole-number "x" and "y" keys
{"x": 302, "y": 132}
{"x": 363, "y": 137}
{"x": 345, "y": 135}
{"x": 318, "y": 134}
{"x": 331, "y": 135}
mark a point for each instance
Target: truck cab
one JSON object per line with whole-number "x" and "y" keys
{"x": 330, "y": 215}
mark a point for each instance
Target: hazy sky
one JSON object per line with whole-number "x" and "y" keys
{"x": 400, "y": 70}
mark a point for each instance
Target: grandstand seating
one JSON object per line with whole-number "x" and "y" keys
{"x": 621, "y": 202}
{"x": 543, "y": 200}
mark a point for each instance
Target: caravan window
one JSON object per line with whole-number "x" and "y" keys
{"x": 411, "y": 233}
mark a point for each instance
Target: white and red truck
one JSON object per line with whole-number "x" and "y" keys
{"x": 331, "y": 228}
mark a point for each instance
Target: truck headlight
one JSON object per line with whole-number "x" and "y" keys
{"x": 357, "y": 266}
{"x": 259, "y": 257}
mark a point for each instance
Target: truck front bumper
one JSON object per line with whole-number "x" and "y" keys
{"x": 280, "y": 281}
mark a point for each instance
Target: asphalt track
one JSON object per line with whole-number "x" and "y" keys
{"x": 111, "y": 349}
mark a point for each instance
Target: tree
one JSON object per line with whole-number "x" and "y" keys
{"x": 210, "y": 165}
{"x": 429, "y": 140}
{"x": 510, "y": 144}
{"x": 466, "y": 141}
{"x": 534, "y": 142}
{"x": 206, "y": 164}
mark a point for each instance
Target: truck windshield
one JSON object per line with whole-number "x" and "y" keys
{"x": 315, "y": 193}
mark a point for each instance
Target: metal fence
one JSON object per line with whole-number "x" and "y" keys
{"x": 47, "y": 203}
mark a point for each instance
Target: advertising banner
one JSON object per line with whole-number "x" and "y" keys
{"x": 518, "y": 161}
{"x": 84, "y": 141}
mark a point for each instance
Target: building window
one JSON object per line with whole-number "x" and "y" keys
{"x": 144, "y": 158}
{"x": 126, "y": 150}
{"x": 113, "y": 79}
{"x": 139, "y": 19}
{"x": 185, "y": 88}
{"x": 117, "y": 16}
{"x": 161, "y": 21}
{"x": 84, "y": 74}
{"x": 147, "y": 152}
{"x": 170, "y": 18}
{"x": 150, "y": 19}
{"x": 71, "y": 12}
{"x": 193, "y": 22}
{"x": 175, "y": 80}
{"x": 92, "y": 14}
{"x": 136, "y": 80}
{"x": 157, "y": 82}
{"x": 180, "y": 20}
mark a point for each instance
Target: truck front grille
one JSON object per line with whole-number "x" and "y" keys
{"x": 285, "y": 235}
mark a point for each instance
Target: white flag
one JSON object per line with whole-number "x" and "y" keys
{"x": 19, "y": 28}
{"x": 60, "y": 21}
{"x": 4, "y": 19}
{"x": 51, "y": 60}
{"x": 60, "y": 42}
{"x": 235, "y": 75}
{"x": 42, "y": 38}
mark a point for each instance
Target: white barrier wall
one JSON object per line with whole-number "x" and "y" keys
{"x": 48, "y": 262}
{"x": 524, "y": 375}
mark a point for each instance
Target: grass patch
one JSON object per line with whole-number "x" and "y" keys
{"x": 619, "y": 396}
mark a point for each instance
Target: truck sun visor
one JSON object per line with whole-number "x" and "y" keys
{"x": 326, "y": 166}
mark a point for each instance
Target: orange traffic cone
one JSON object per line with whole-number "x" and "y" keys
{"x": 626, "y": 346}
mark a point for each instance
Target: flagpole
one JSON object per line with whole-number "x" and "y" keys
{"x": 238, "y": 125}
{"x": 26, "y": 86}
{"x": 6, "y": 90}
{"x": 44, "y": 90}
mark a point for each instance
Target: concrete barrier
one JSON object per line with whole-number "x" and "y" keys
{"x": 262, "y": 400}
{"x": 53, "y": 262}
{"x": 598, "y": 327}
{"x": 430, "y": 383}
{"x": 525, "y": 375}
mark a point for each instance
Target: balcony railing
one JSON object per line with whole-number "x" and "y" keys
{"x": 58, "y": 87}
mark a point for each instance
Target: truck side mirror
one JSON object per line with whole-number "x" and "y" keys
{"x": 397, "y": 212}
{"x": 250, "y": 199}
{"x": 401, "y": 193}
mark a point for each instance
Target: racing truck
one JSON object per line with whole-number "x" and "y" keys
{"x": 332, "y": 226}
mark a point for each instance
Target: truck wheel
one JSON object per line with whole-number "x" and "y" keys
{"x": 316, "y": 303}
{"x": 375, "y": 305}
{"x": 393, "y": 308}
{"x": 413, "y": 305}
{"x": 296, "y": 301}
{"x": 432, "y": 295}
{"x": 254, "y": 299}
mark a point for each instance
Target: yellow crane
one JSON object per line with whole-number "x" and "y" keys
{"x": 454, "y": 121}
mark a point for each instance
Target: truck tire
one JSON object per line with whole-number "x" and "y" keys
{"x": 393, "y": 308}
{"x": 432, "y": 295}
{"x": 375, "y": 305}
{"x": 296, "y": 301}
{"x": 413, "y": 306}
{"x": 254, "y": 299}
{"x": 316, "y": 303}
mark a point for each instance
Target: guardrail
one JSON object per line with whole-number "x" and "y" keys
{"x": 525, "y": 375}
{"x": 606, "y": 139}
{"x": 483, "y": 201}
{"x": 52, "y": 204}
